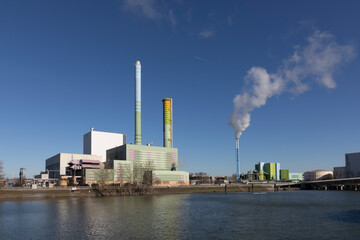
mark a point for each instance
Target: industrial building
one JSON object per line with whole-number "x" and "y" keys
{"x": 314, "y": 175}
{"x": 57, "y": 165}
{"x": 96, "y": 142}
{"x": 267, "y": 171}
{"x": 284, "y": 174}
{"x": 273, "y": 172}
{"x": 107, "y": 157}
{"x": 270, "y": 171}
{"x": 351, "y": 169}
{"x": 126, "y": 161}
{"x": 339, "y": 172}
{"x": 295, "y": 177}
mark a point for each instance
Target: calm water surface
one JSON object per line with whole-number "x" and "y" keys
{"x": 275, "y": 215}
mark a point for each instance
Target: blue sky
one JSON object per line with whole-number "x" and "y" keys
{"x": 68, "y": 65}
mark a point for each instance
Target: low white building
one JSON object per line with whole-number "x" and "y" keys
{"x": 96, "y": 142}
{"x": 318, "y": 175}
{"x": 57, "y": 164}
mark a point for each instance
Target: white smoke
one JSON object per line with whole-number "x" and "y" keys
{"x": 315, "y": 61}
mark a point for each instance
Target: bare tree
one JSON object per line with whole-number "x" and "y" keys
{"x": 138, "y": 177}
{"x": 234, "y": 178}
{"x": 104, "y": 176}
{"x": 2, "y": 175}
{"x": 147, "y": 175}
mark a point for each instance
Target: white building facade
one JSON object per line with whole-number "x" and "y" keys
{"x": 96, "y": 142}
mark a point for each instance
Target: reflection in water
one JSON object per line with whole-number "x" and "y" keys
{"x": 306, "y": 214}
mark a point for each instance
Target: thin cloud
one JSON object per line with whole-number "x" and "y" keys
{"x": 144, "y": 8}
{"x": 206, "y": 33}
{"x": 202, "y": 59}
{"x": 172, "y": 18}
{"x": 229, "y": 20}
{"x": 188, "y": 15}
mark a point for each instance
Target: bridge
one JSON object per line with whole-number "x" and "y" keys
{"x": 333, "y": 184}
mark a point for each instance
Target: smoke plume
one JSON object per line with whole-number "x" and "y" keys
{"x": 315, "y": 62}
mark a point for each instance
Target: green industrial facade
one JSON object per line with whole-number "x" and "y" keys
{"x": 284, "y": 174}
{"x": 295, "y": 177}
{"x": 261, "y": 175}
{"x": 130, "y": 162}
{"x": 158, "y": 158}
{"x": 270, "y": 171}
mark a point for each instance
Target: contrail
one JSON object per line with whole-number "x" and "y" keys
{"x": 315, "y": 62}
{"x": 202, "y": 59}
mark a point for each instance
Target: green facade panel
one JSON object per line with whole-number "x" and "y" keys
{"x": 284, "y": 174}
{"x": 270, "y": 171}
{"x": 261, "y": 175}
{"x": 170, "y": 176}
{"x": 158, "y": 158}
{"x": 295, "y": 177}
{"x": 99, "y": 175}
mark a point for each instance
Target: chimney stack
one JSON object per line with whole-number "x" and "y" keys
{"x": 137, "y": 103}
{"x": 167, "y": 122}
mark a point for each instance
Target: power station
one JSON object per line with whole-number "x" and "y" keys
{"x": 124, "y": 162}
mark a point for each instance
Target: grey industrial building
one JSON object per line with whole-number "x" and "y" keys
{"x": 351, "y": 169}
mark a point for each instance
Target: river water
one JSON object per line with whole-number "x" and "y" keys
{"x": 274, "y": 215}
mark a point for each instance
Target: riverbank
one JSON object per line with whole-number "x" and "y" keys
{"x": 19, "y": 194}
{"x": 14, "y": 194}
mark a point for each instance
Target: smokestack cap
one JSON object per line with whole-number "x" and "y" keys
{"x": 137, "y": 63}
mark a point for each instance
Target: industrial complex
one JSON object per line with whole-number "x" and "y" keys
{"x": 108, "y": 158}
{"x": 272, "y": 172}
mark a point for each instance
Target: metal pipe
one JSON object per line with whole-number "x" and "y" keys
{"x": 137, "y": 103}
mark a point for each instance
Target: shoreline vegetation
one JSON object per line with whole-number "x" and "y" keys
{"x": 109, "y": 190}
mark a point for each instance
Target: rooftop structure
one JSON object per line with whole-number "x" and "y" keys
{"x": 96, "y": 142}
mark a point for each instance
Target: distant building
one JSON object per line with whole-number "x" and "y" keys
{"x": 57, "y": 164}
{"x": 266, "y": 171}
{"x": 42, "y": 175}
{"x": 295, "y": 177}
{"x": 270, "y": 171}
{"x": 314, "y": 175}
{"x": 352, "y": 167}
{"x": 339, "y": 172}
{"x": 284, "y": 174}
{"x": 96, "y": 142}
{"x": 278, "y": 171}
